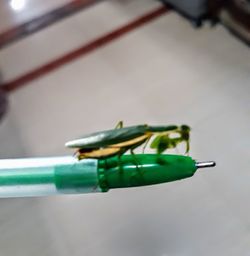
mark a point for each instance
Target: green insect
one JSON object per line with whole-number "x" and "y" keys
{"x": 104, "y": 144}
{"x": 163, "y": 141}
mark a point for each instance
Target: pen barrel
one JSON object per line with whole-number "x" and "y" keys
{"x": 68, "y": 175}
{"x": 143, "y": 169}
{"x": 47, "y": 176}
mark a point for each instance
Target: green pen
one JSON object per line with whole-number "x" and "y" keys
{"x": 68, "y": 175}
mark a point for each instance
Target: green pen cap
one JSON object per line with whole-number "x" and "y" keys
{"x": 143, "y": 169}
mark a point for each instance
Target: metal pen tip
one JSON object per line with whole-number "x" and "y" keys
{"x": 205, "y": 164}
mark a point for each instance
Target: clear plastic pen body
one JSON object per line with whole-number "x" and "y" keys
{"x": 47, "y": 176}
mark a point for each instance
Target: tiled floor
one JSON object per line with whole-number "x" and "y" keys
{"x": 164, "y": 72}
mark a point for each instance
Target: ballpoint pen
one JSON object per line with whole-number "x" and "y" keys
{"x": 68, "y": 175}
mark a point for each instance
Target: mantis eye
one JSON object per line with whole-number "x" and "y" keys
{"x": 185, "y": 128}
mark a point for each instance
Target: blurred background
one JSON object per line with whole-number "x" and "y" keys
{"x": 73, "y": 67}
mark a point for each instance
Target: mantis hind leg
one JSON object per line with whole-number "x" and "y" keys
{"x": 146, "y": 143}
{"x": 137, "y": 163}
{"x": 119, "y": 163}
